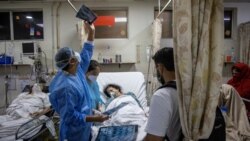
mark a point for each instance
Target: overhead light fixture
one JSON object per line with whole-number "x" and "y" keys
{"x": 40, "y": 25}
{"x": 120, "y": 19}
{"x": 29, "y": 17}
{"x": 227, "y": 19}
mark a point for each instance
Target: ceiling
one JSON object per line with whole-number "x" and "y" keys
{"x": 237, "y": 1}
{"x": 234, "y": 1}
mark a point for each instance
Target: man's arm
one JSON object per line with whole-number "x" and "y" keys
{"x": 91, "y": 31}
{"x": 87, "y": 50}
{"x": 66, "y": 105}
{"x": 97, "y": 118}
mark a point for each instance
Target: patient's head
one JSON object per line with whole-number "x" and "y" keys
{"x": 36, "y": 88}
{"x": 32, "y": 89}
{"x": 112, "y": 90}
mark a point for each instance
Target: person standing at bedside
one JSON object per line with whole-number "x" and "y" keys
{"x": 164, "y": 120}
{"x": 70, "y": 94}
{"x": 91, "y": 75}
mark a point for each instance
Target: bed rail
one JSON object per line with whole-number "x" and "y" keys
{"x": 37, "y": 123}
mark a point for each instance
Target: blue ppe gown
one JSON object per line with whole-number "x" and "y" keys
{"x": 71, "y": 100}
{"x": 95, "y": 94}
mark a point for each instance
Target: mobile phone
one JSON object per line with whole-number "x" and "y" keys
{"x": 86, "y": 14}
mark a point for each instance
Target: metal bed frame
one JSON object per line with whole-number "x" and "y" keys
{"x": 49, "y": 114}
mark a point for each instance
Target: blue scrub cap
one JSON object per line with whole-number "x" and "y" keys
{"x": 63, "y": 56}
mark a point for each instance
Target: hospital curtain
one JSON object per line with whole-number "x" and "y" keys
{"x": 244, "y": 42}
{"x": 198, "y": 45}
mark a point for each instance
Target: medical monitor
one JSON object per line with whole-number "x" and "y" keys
{"x": 28, "y": 49}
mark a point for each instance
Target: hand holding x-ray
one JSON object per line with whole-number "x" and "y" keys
{"x": 84, "y": 13}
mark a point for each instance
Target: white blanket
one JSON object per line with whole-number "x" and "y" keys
{"x": 132, "y": 113}
{"x": 26, "y": 104}
{"x": 19, "y": 112}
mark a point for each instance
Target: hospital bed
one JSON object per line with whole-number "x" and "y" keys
{"x": 35, "y": 127}
{"x": 130, "y": 82}
{"x": 25, "y": 128}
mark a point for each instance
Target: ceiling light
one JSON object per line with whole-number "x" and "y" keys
{"x": 29, "y": 17}
{"x": 120, "y": 19}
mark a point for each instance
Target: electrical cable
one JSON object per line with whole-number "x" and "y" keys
{"x": 147, "y": 81}
{"x": 6, "y": 77}
{"x": 47, "y": 70}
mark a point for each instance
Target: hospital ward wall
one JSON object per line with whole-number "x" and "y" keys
{"x": 20, "y": 74}
{"x": 240, "y": 15}
{"x": 140, "y": 17}
{"x": 63, "y": 23}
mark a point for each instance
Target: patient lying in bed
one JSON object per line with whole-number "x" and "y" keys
{"x": 29, "y": 104}
{"x": 131, "y": 114}
{"x": 26, "y": 106}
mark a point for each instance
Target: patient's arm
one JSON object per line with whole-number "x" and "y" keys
{"x": 43, "y": 112}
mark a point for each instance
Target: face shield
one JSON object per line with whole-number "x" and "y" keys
{"x": 64, "y": 55}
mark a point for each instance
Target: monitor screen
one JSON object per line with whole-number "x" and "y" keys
{"x": 28, "y": 48}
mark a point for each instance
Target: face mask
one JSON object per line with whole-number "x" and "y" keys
{"x": 160, "y": 78}
{"x": 112, "y": 94}
{"x": 78, "y": 57}
{"x": 92, "y": 78}
{"x": 36, "y": 89}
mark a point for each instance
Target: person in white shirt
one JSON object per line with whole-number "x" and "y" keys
{"x": 164, "y": 121}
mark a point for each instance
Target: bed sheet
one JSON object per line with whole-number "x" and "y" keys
{"x": 10, "y": 125}
{"x": 130, "y": 114}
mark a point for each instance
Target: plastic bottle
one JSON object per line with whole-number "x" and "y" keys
{"x": 99, "y": 57}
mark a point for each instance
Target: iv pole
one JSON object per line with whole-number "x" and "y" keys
{"x": 6, "y": 81}
{"x": 160, "y": 11}
{"x": 72, "y": 6}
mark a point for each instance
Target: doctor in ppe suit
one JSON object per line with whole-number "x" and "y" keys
{"x": 70, "y": 94}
